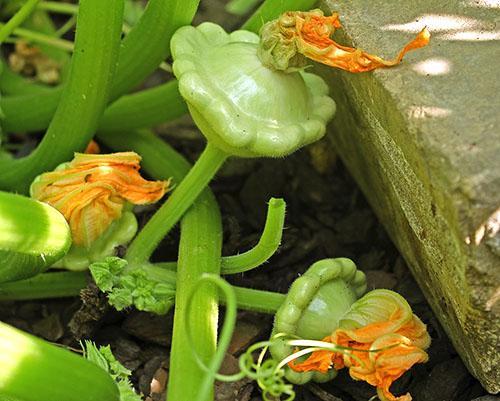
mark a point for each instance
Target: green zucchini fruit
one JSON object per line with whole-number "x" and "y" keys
{"x": 34, "y": 370}
{"x": 33, "y": 235}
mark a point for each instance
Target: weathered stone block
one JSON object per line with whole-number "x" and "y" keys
{"x": 423, "y": 141}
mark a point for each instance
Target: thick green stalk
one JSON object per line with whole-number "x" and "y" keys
{"x": 142, "y": 109}
{"x": 45, "y": 285}
{"x": 205, "y": 390}
{"x": 17, "y": 19}
{"x": 84, "y": 96}
{"x": 258, "y": 300}
{"x": 199, "y": 252}
{"x": 247, "y": 298}
{"x": 176, "y": 205}
{"x": 30, "y": 112}
{"x": 142, "y": 50}
{"x": 268, "y": 243}
{"x": 148, "y": 42}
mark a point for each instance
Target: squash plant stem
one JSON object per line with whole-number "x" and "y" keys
{"x": 69, "y": 284}
{"x": 84, "y": 96}
{"x": 143, "y": 109}
{"x": 199, "y": 253}
{"x": 142, "y": 50}
{"x": 268, "y": 244}
{"x": 176, "y": 205}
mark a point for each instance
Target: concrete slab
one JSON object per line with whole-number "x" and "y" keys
{"x": 423, "y": 142}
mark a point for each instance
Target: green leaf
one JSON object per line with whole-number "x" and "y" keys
{"x": 128, "y": 286}
{"x": 104, "y": 358}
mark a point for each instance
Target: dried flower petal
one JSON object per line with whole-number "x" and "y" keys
{"x": 91, "y": 191}
{"x": 308, "y": 34}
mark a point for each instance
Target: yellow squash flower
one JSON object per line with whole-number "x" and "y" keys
{"x": 91, "y": 191}
{"x": 382, "y": 339}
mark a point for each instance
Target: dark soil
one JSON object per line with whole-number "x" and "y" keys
{"x": 327, "y": 216}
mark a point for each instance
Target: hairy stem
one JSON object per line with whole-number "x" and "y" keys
{"x": 205, "y": 389}
{"x": 144, "y": 109}
{"x": 176, "y": 205}
{"x": 199, "y": 253}
{"x": 268, "y": 243}
{"x": 247, "y": 298}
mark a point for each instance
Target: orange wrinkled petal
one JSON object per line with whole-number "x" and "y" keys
{"x": 378, "y": 353}
{"x": 91, "y": 190}
{"x": 392, "y": 354}
{"x": 391, "y": 363}
{"x": 314, "y": 42}
{"x": 319, "y": 361}
{"x": 371, "y": 332}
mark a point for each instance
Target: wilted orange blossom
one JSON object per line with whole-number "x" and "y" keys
{"x": 378, "y": 353}
{"x": 91, "y": 191}
{"x": 309, "y": 34}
